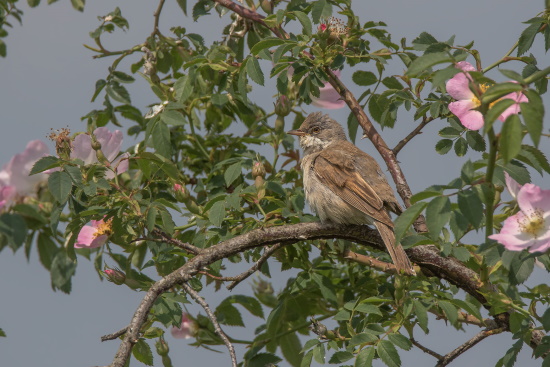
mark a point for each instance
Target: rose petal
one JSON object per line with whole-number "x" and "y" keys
{"x": 458, "y": 87}
{"x": 82, "y": 149}
{"x": 110, "y": 142}
{"x": 531, "y": 197}
{"x": 465, "y": 66}
{"x": 471, "y": 119}
{"x": 85, "y": 237}
{"x": 512, "y": 185}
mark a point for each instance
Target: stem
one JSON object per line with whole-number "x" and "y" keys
{"x": 489, "y": 205}
{"x": 502, "y": 59}
{"x": 538, "y": 75}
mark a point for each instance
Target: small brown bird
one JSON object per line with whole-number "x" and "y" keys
{"x": 345, "y": 185}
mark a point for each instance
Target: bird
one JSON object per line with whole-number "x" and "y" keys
{"x": 345, "y": 185}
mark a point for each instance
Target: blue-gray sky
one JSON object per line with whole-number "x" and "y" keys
{"x": 47, "y": 81}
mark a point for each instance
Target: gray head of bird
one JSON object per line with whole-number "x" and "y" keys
{"x": 318, "y": 131}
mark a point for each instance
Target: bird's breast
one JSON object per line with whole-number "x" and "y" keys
{"x": 324, "y": 202}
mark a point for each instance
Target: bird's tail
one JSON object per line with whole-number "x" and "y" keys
{"x": 397, "y": 253}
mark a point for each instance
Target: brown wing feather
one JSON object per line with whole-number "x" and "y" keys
{"x": 352, "y": 188}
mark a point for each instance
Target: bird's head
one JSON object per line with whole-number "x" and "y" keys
{"x": 317, "y": 132}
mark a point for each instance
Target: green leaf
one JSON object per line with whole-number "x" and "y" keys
{"x": 118, "y": 92}
{"x": 510, "y": 138}
{"x": 533, "y": 114}
{"x": 419, "y": 196}
{"x": 60, "y": 184}
{"x": 340, "y": 357}
{"x": 495, "y": 111}
{"x": 365, "y": 357}
{"x": 254, "y": 71}
{"x": 498, "y": 91}
{"x": 475, "y": 141}
{"x": 368, "y": 309}
{"x": 400, "y": 340}
{"x": 33, "y": 3}
{"x": 14, "y": 228}
{"x": 387, "y": 352}
{"x": 99, "y": 85}
{"x": 353, "y": 125}
{"x": 321, "y": 9}
{"x": 172, "y": 117}
{"x": 123, "y": 77}
{"x": 78, "y": 4}
{"x": 546, "y": 320}
{"x": 142, "y": 352}
{"x": 392, "y": 83}
{"x": 306, "y": 23}
{"x": 2, "y": 333}
{"x": 44, "y": 164}
{"x": 461, "y": 147}
{"x": 536, "y": 157}
{"x": 232, "y": 173}
{"x": 471, "y": 206}
{"x": 160, "y": 137}
{"x": 438, "y": 213}
{"x": 527, "y": 37}
{"x": 421, "y": 313}
{"x": 364, "y": 78}
{"x": 184, "y": 87}
{"x": 250, "y": 303}
{"x": 61, "y": 271}
{"x": 443, "y": 146}
{"x": 326, "y": 287}
{"x": 290, "y": 347}
{"x": 424, "y": 40}
{"x": 425, "y": 62}
{"x": 263, "y": 359}
{"x": 266, "y": 43}
{"x": 216, "y": 214}
{"x": 306, "y": 361}
{"x": 362, "y": 338}
{"x": 449, "y": 310}
{"x": 406, "y": 219}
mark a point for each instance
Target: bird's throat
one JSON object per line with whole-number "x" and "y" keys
{"x": 311, "y": 144}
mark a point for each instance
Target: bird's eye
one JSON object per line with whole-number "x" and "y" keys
{"x": 316, "y": 130}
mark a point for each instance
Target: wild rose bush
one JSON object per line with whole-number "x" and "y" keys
{"x": 192, "y": 196}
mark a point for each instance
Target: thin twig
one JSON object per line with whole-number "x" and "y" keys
{"x": 212, "y": 318}
{"x": 449, "y": 357}
{"x": 412, "y": 134}
{"x": 251, "y": 15}
{"x": 156, "y": 14}
{"x": 268, "y": 252}
{"x": 114, "y": 335}
{"x": 436, "y": 355}
{"x": 370, "y": 261}
{"x": 173, "y": 241}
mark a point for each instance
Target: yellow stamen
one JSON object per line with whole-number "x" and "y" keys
{"x": 533, "y": 223}
{"x": 104, "y": 228}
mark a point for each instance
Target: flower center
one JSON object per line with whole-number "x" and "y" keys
{"x": 483, "y": 87}
{"x": 533, "y": 223}
{"x": 103, "y": 228}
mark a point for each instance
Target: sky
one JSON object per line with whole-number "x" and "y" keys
{"x": 46, "y": 82}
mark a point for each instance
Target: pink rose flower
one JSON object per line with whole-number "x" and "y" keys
{"x": 458, "y": 87}
{"x": 529, "y": 229}
{"x": 110, "y": 147}
{"x": 94, "y": 235}
{"x": 186, "y": 330}
{"x": 16, "y": 172}
{"x": 328, "y": 97}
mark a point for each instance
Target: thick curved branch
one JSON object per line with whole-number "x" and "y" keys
{"x": 426, "y": 256}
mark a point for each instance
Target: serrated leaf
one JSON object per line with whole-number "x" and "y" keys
{"x": 495, "y": 111}
{"x": 254, "y": 71}
{"x": 527, "y": 37}
{"x": 533, "y": 114}
{"x": 142, "y": 352}
{"x": 362, "y": 338}
{"x": 400, "y": 340}
{"x": 78, "y": 4}
{"x": 425, "y": 62}
{"x": 250, "y": 303}
{"x": 406, "y": 219}
{"x": 510, "y": 138}
{"x": 471, "y": 206}
{"x": 306, "y": 23}
{"x": 364, "y": 78}
{"x": 365, "y": 357}
{"x": 443, "y": 146}
{"x": 438, "y": 213}
{"x": 61, "y": 271}
{"x": 340, "y": 357}
{"x": 388, "y": 354}
{"x": 475, "y": 141}
{"x": 461, "y": 147}
{"x": 118, "y": 93}
{"x": 216, "y": 214}
{"x": 232, "y": 173}
{"x": 449, "y": 310}
{"x": 263, "y": 359}
{"x": 60, "y": 184}
{"x": 265, "y": 43}
{"x": 538, "y": 156}
{"x": 160, "y": 137}
{"x": 290, "y": 347}
{"x": 321, "y": 9}
{"x": 44, "y": 164}
{"x": 172, "y": 117}
{"x": 421, "y": 313}
{"x": 228, "y": 314}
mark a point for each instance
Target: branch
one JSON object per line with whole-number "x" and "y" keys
{"x": 156, "y": 15}
{"x": 437, "y": 356}
{"x": 449, "y": 357}
{"x": 251, "y": 15}
{"x": 114, "y": 335}
{"x": 370, "y": 261}
{"x": 268, "y": 252}
{"x": 183, "y": 245}
{"x": 212, "y": 318}
{"x": 412, "y": 134}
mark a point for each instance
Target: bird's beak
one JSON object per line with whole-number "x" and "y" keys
{"x": 296, "y": 132}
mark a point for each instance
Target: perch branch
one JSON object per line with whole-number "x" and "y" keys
{"x": 114, "y": 335}
{"x": 212, "y": 318}
{"x": 183, "y": 245}
{"x": 268, "y": 252}
{"x": 427, "y": 350}
{"x": 449, "y": 357}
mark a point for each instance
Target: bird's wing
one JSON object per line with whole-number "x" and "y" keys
{"x": 337, "y": 171}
